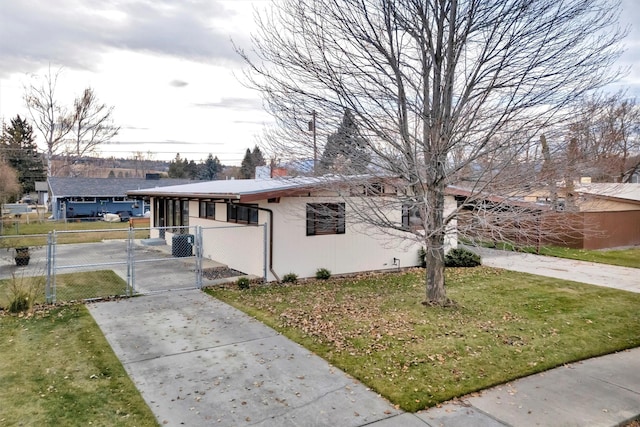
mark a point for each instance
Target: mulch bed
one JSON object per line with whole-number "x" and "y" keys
{"x": 221, "y": 273}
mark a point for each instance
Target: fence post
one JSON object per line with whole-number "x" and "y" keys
{"x": 198, "y": 252}
{"x": 131, "y": 271}
{"x": 47, "y": 286}
{"x": 52, "y": 284}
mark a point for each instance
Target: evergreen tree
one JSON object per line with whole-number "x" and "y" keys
{"x": 192, "y": 170}
{"x": 251, "y": 160}
{"x": 211, "y": 168}
{"x": 21, "y": 153}
{"x": 177, "y": 167}
{"x": 258, "y": 158}
{"x": 247, "y": 169}
{"x": 346, "y": 150}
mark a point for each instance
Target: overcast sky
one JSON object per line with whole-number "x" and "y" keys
{"x": 167, "y": 66}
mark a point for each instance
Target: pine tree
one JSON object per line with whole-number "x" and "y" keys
{"x": 178, "y": 167}
{"x": 247, "y": 168}
{"x": 211, "y": 168}
{"x": 258, "y": 158}
{"x": 346, "y": 150}
{"x": 21, "y": 153}
{"x": 251, "y": 160}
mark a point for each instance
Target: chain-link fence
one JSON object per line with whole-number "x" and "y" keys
{"x": 91, "y": 264}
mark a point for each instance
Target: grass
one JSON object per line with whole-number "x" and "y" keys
{"x": 69, "y": 286}
{"x": 35, "y": 234}
{"x": 506, "y": 325}
{"x": 620, "y": 257}
{"x": 56, "y": 368}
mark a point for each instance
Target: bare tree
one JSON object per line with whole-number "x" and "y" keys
{"x": 50, "y": 117}
{"x": 92, "y": 125}
{"x": 435, "y": 86}
{"x": 607, "y": 132}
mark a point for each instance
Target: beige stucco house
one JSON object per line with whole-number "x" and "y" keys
{"x": 285, "y": 225}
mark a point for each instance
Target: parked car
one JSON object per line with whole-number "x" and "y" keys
{"x": 124, "y": 215}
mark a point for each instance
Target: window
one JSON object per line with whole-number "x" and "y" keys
{"x": 411, "y": 217}
{"x": 242, "y": 214}
{"x": 325, "y": 218}
{"x": 185, "y": 212}
{"x": 172, "y": 213}
{"x": 82, "y": 199}
{"x": 208, "y": 210}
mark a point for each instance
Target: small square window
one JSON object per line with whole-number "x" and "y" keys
{"x": 325, "y": 218}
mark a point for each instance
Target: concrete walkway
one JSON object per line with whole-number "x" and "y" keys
{"x": 579, "y": 271}
{"x": 198, "y": 361}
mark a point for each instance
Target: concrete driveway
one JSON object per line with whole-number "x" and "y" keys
{"x": 611, "y": 276}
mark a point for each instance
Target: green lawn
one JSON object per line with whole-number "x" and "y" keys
{"x": 35, "y": 233}
{"x": 57, "y": 369}
{"x": 505, "y": 325}
{"x": 69, "y": 286}
{"x": 621, "y": 257}
{"x": 629, "y": 257}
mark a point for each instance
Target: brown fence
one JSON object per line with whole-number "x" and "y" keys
{"x": 612, "y": 229}
{"x": 582, "y": 230}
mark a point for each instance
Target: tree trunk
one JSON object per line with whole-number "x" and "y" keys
{"x": 434, "y": 241}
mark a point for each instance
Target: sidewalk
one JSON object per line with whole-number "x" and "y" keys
{"x": 604, "y": 391}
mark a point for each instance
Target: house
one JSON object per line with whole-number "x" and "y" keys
{"x": 609, "y": 214}
{"x": 93, "y": 197}
{"x": 272, "y": 227}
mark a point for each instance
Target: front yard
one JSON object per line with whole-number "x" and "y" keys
{"x": 506, "y": 325}
{"x": 56, "y": 368}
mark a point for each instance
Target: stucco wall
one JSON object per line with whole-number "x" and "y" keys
{"x": 361, "y": 248}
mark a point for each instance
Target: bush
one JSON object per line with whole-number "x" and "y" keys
{"x": 461, "y": 257}
{"x": 23, "y": 291}
{"x": 243, "y": 283}
{"x": 323, "y": 274}
{"x": 290, "y": 278}
{"x": 422, "y": 257}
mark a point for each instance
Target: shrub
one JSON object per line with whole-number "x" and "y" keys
{"x": 422, "y": 257}
{"x": 461, "y": 257}
{"x": 290, "y": 278}
{"x": 243, "y": 283}
{"x": 323, "y": 274}
{"x": 22, "y": 292}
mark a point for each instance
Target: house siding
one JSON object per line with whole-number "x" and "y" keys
{"x": 242, "y": 247}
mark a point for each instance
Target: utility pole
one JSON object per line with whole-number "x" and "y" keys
{"x": 312, "y": 127}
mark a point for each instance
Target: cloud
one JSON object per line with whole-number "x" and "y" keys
{"x": 233, "y": 103}
{"x": 75, "y": 34}
{"x": 178, "y": 83}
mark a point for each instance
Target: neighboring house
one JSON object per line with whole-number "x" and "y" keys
{"x": 93, "y": 197}
{"x": 305, "y": 227}
{"x": 610, "y": 214}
